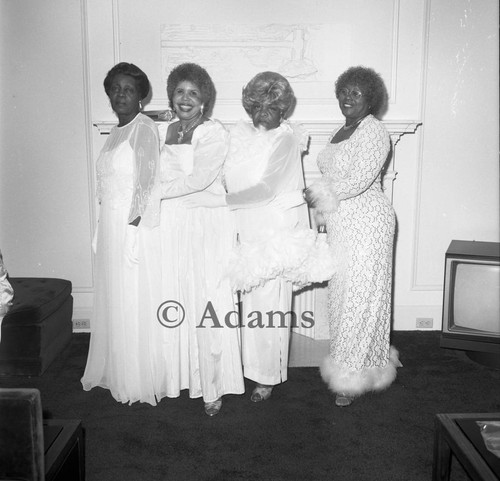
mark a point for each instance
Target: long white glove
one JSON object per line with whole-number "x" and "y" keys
{"x": 204, "y": 199}
{"x": 288, "y": 200}
{"x": 131, "y": 247}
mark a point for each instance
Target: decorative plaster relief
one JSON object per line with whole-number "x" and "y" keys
{"x": 234, "y": 53}
{"x": 245, "y": 48}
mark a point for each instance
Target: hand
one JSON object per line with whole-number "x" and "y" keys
{"x": 167, "y": 115}
{"x": 288, "y": 200}
{"x": 204, "y": 199}
{"x": 130, "y": 249}
{"x": 320, "y": 221}
{"x": 321, "y": 195}
{"x": 94, "y": 239}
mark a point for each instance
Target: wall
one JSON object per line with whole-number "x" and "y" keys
{"x": 439, "y": 59}
{"x": 452, "y": 189}
{"x": 45, "y": 144}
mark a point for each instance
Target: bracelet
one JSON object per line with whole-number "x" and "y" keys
{"x": 304, "y": 194}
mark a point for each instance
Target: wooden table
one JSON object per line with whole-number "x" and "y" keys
{"x": 64, "y": 450}
{"x": 459, "y": 435}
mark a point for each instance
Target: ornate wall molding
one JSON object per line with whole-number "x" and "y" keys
{"x": 320, "y": 130}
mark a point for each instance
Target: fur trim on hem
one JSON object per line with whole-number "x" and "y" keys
{"x": 355, "y": 383}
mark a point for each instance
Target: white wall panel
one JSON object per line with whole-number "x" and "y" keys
{"x": 458, "y": 191}
{"x": 44, "y": 190}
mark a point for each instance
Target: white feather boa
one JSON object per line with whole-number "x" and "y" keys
{"x": 321, "y": 195}
{"x": 340, "y": 379}
{"x": 297, "y": 255}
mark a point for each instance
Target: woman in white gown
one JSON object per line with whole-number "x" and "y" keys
{"x": 263, "y": 162}
{"x": 202, "y": 350}
{"x": 124, "y": 324}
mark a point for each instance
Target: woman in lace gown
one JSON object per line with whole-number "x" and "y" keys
{"x": 264, "y": 160}
{"x": 124, "y": 325}
{"x": 360, "y": 223}
{"x": 202, "y": 352}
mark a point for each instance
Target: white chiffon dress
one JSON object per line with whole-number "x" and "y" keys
{"x": 201, "y": 339}
{"x": 124, "y": 326}
{"x": 260, "y": 165}
{"x": 362, "y": 231}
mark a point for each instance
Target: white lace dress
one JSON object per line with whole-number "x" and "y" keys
{"x": 203, "y": 353}
{"x": 260, "y": 165}
{"x": 124, "y": 326}
{"x": 362, "y": 231}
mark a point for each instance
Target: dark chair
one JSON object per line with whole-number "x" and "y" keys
{"x": 21, "y": 435}
{"x": 32, "y": 449}
{"x": 37, "y": 327}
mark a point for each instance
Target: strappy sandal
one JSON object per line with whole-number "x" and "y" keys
{"x": 343, "y": 400}
{"x": 261, "y": 393}
{"x": 213, "y": 408}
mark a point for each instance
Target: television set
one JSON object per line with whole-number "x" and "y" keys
{"x": 471, "y": 300}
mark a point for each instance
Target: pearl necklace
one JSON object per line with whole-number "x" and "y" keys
{"x": 354, "y": 125}
{"x": 183, "y": 131}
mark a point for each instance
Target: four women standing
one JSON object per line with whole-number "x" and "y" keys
{"x": 196, "y": 348}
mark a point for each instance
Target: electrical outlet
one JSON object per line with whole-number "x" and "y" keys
{"x": 424, "y": 322}
{"x": 81, "y": 323}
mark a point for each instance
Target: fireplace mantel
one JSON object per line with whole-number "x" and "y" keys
{"x": 320, "y": 130}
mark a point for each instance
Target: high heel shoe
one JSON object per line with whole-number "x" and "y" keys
{"x": 343, "y": 400}
{"x": 213, "y": 408}
{"x": 261, "y": 393}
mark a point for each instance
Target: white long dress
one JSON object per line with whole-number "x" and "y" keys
{"x": 260, "y": 165}
{"x": 124, "y": 324}
{"x": 361, "y": 358}
{"x": 203, "y": 353}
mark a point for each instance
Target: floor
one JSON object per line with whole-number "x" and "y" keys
{"x": 306, "y": 352}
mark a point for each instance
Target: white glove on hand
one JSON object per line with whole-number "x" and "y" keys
{"x": 204, "y": 199}
{"x": 130, "y": 250}
{"x": 288, "y": 200}
{"x": 94, "y": 239}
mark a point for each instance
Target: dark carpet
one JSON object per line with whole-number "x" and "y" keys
{"x": 298, "y": 434}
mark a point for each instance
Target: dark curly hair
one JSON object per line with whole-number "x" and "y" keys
{"x": 197, "y": 75}
{"x": 371, "y": 85}
{"x": 269, "y": 89}
{"x": 124, "y": 68}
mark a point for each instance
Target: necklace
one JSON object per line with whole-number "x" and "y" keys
{"x": 352, "y": 126}
{"x": 183, "y": 131}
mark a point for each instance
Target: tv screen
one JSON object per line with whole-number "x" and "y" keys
{"x": 471, "y": 300}
{"x": 476, "y": 297}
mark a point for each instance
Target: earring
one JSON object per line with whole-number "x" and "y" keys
{"x": 202, "y": 109}
{"x": 140, "y": 104}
